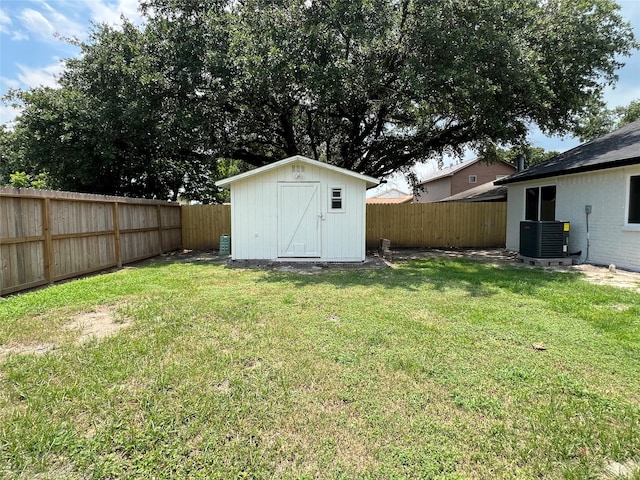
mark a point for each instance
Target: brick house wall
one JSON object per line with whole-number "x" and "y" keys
{"x": 611, "y": 240}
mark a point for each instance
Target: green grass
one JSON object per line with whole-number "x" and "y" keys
{"x": 422, "y": 371}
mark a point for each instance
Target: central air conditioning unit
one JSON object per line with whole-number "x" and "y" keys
{"x": 545, "y": 239}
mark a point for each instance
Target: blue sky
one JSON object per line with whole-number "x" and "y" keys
{"x": 30, "y": 52}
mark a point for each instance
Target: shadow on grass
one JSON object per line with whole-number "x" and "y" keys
{"x": 477, "y": 278}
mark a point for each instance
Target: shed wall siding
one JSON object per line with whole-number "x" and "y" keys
{"x": 343, "y": 234}
{"x": 606, "y": 191}
{"x": 254, "y": 204}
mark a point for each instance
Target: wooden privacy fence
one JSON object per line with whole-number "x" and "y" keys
{"x": 202, "y": 226}
{"x": 47, "y": 236}
{"x": 50, "y": 236}
{"x": 415, "y": 225}
{"x": 438, "y": 225}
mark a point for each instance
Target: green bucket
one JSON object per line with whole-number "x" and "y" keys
{"x": 225, "y": 245}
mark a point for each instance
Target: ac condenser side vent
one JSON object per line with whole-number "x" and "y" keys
{"x": 546, "y": 239}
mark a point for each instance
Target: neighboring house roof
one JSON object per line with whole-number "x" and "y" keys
{"x": 616, "y": 149}
{"x": 487, "y": 192}
{"x": 453, "y": 169}
{"x": 370, "y": 181}
{"x": 448, "y": 171}
{"x": 404, "y": 199}
{"x": 390, "y": 193}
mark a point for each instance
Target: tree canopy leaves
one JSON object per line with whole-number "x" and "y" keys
{"x": 369, "y": 85}
{"x": 531, "y": 155}
{"x": 599, "y": 119}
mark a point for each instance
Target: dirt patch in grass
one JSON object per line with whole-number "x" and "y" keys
{"x": 622, "y": 470}
{"x": 371, "y": 262}
{"x": 28, "y": 349}
{"x": 96, "y": 324}
{"x": 602, "y": 275}
{"x": 605, "y": 276}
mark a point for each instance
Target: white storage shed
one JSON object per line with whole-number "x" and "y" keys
{"x": 298, "y": 209}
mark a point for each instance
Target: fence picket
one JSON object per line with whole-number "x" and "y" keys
{"x": 414, "y": 225}
{"x": 47, "y": 236}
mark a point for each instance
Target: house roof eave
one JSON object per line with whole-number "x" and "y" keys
{"x": 618, "y": 148}
{"x": 515, "y": 178}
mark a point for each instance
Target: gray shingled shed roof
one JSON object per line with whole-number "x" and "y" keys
{"x": 616, "y": 149}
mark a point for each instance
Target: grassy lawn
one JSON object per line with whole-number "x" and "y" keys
{"x": 426, "y": 370}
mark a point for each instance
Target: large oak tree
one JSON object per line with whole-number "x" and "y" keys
{"x": 370, "y": 85}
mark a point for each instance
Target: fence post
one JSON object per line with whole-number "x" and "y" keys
{"x": 116, "y": 231}
{"x": 159, "y": 216}
{"x": 49, "y": 268}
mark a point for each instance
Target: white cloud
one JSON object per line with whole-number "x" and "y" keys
{"x": 40, "y": 77}
{"x": 62, "y": 24}
{"x": 44, "y": 20}
{"x": 19, "y": 36}
{"x": 6, "y": 27}
{"x": 8, "y": 114}
{"x": 36, "y": 23}
{"x": 27, "y": 78}
{"x": 8, "y": 83}
{"x": 110, "y": 12}
{"x": 44, "y": 24}
{"x": 5, "y": 22}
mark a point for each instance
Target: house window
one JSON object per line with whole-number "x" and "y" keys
{"x": 336, "y": 198}
{"x": 473, "y": 179}
{"x": 634, "y": 199}
{"x": 540, "y": 203}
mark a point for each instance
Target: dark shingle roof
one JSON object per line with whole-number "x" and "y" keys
{"x": 487, "y": 192}
{"x": 616, "y": 149}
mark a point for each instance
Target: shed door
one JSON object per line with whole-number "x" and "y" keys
{"x": 299, "y": 220}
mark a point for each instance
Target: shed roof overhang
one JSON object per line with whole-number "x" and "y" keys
{"x": 369, "y": 181}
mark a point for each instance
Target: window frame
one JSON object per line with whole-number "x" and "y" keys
{"x": 473, "y": 179}
{"x": 635, "y": 225}
{"x": 342, "y": 198}
{"x": 539, "y": 205}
